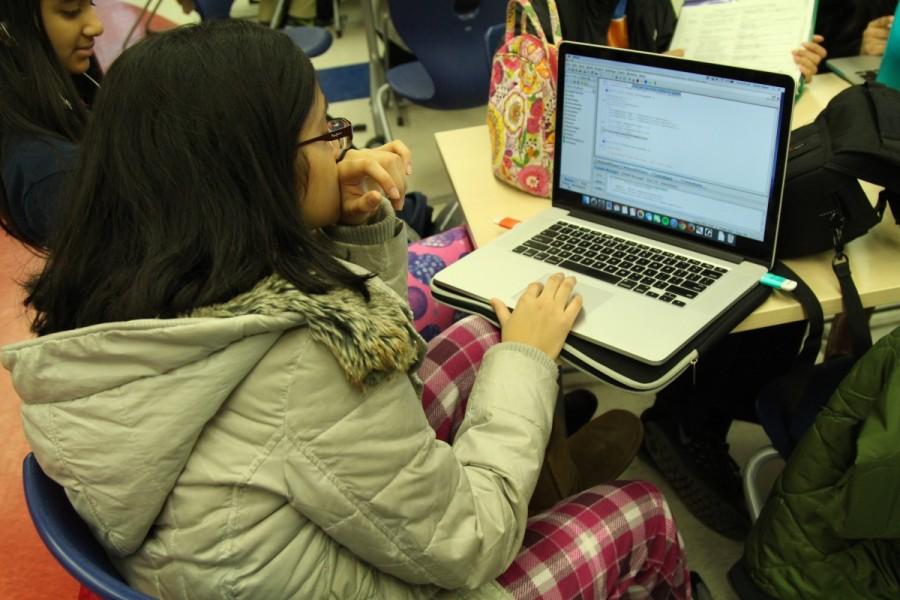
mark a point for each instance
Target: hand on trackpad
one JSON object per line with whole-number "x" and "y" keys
{"x": 592, "y": 295}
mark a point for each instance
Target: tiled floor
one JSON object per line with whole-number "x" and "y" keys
{"x": 26, "y": 569}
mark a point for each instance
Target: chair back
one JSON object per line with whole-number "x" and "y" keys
{"x": 493, "y": 38}
{"x": 68, "y": 537}
{"x": 213, "y": 9}
{"x": 448, "y": 39}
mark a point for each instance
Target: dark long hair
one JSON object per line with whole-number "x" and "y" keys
{"x": 37, "y": 95}
{"x": 187, "y": 187}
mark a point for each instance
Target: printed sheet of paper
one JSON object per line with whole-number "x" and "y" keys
{"x": 758, "y": 34}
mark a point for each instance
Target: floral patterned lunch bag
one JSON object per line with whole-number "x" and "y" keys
{"x": 522, "y": 103}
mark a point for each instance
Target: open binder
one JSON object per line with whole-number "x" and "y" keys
{"x": 757, "y": 34}
{"x": 618, "y": 369}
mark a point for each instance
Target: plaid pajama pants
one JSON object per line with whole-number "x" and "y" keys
{"x": 610, "y": 541}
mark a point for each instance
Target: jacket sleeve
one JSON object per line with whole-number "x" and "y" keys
{"x": 367, "y": 469}
{"x": 378, "y": 247}
{"x": 866, "y": 504}
{"x": 651, "y": 24}
{"x": 33, "y": 173}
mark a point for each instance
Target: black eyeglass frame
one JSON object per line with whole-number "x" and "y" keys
{"x": 343, "y": 130}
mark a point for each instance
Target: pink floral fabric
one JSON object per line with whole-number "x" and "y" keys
{"x": 427, "y": 257}
{"x": 522, "y": 103}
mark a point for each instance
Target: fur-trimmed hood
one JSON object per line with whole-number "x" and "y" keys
{"x": 149, "y": 387}
{"x": 368, "y": 339}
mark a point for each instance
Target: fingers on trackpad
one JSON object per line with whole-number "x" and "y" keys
{"x": 593, "y": 296}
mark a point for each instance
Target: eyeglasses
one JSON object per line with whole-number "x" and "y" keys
{"x": 340, "y": 132}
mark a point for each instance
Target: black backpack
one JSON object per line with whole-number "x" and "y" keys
{"x": 857, "y": 136}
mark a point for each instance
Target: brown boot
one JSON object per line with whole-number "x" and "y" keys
{"x": 605, "y": 447}
{"x": 597, "y": 453}
{"x": 559, "y": 474}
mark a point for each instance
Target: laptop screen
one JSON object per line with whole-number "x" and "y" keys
{"x": 683, "y": 150}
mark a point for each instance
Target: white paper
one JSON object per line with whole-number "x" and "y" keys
{"x": 758, "y": 34}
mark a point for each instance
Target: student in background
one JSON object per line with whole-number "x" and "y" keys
{"x": 299, "y": 12}
{"x": 646, "y": 25}
{"x": 853, "y": 27}
{"x": 877, "y": 31}
{"x": 686, "y": 429}
{"x": 234, "y": 400}
{"x": 48, "y": 78}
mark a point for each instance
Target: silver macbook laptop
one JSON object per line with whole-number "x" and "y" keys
{"x": 666, "y": 195}
{"x": 856, "y": 69}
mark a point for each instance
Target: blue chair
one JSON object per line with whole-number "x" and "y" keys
{"x": 68, "y": 538}
{"x": 312, "y": 40}
{"x": 493, "y": 39}
{"x": 451, "y": 70}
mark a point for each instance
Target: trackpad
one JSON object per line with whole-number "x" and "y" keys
{"x": 592, "y": 295}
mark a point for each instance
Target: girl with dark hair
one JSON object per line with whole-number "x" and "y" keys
{"x": 228, "y": 384}
{"x": 48, "y": 78}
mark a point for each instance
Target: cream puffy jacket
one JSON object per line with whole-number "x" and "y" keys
{"x": 275, "y": 446}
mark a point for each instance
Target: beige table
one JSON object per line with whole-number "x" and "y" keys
{"x": 873, "y": 258}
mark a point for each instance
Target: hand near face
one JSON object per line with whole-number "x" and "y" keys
{"x": 365, "y": 175}
{"x": 875, "y": 36}
{"x": 809, "y": 56}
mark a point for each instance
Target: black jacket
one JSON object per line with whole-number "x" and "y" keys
{"x": 842, "y": 22}
{"x": 32, "y": 169}
{"x": 651, "y": 23}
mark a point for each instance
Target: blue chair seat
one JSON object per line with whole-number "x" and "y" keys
{"x": 312, "y": 40}
{"x": 411, "y": 81}
{"x": 68, "y": 537}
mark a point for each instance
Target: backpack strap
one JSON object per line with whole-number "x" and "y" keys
{"x": 814, "y": 316}
{"x": 798, "y": 379}
{"x": 795, "y": 382}
{"x": 860, "y": 336}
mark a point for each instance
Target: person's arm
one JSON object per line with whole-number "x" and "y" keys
{"x": 33, "y": 173}
{"x": 809, "y": 56}
{"x": 379, "y": 483}
{"x": 864, "y": 502}
{"x": 875, "y": 36}
{"x": 367, "y": 469}
{"x": 378, "y": 246}
{"x": 373, "y": 185}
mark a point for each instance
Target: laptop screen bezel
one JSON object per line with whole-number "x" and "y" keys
{"x": 758, "y": 251}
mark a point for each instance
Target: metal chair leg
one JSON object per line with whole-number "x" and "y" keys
{"x": 752, "y": 493}
{"x": 380, "y": 112}
{"x": 448, "y": 216}
{"x": 145, "y": 12}
{"x": 278, "y": 14}
{"x": 338, "y": 27}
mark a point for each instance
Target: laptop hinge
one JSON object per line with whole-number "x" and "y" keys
{"x": 660, "y": 236}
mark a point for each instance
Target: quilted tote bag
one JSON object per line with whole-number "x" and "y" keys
{"x": 521, "y": 114}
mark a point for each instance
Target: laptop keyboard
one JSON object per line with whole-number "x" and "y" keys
{"x": 644, "y": 270}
